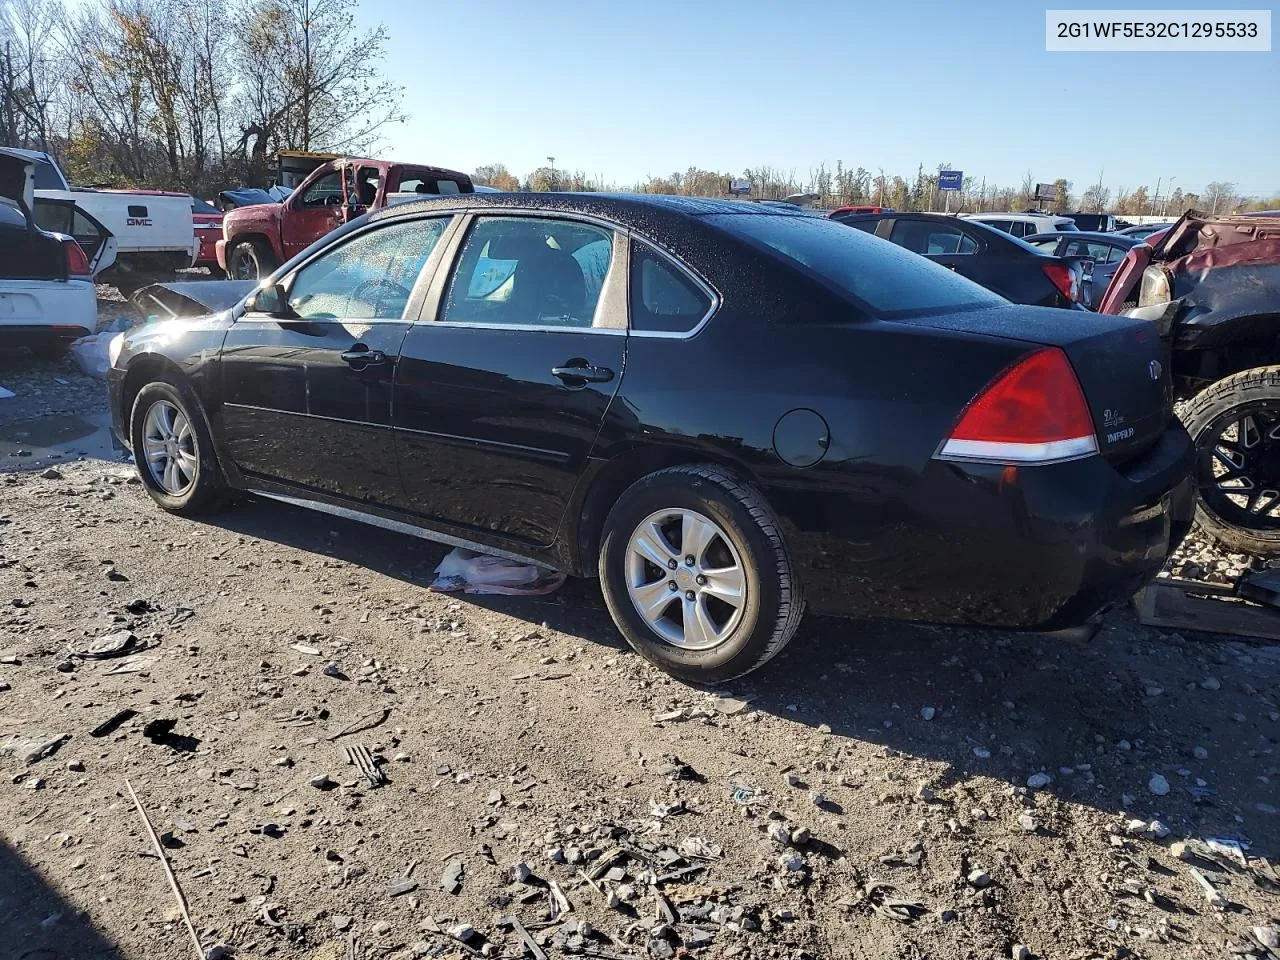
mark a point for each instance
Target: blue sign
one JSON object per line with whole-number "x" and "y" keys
{"x": 950, "y": 179}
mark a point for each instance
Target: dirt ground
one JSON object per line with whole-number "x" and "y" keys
{"x": 769, "y": 816}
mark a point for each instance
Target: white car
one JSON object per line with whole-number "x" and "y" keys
{"x": 154, "y": 232}
{"x": 47, "y": 297}
{"x": 1024, "y": 224}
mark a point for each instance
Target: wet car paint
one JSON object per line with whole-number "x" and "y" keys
{"x": 876, "y": 527}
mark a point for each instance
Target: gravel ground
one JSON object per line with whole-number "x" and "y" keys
{"x": 1003, "y": 787}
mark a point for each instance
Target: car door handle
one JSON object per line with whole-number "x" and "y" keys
{"x": 361, "y": 356}
{"x": 586, "y": 373}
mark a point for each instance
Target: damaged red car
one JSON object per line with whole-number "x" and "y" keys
{"x": 1211, "y": 285}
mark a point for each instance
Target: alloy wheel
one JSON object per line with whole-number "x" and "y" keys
{"x": 686, "y": 579}
{"x": 1239, "y": 466}
{"x": 170, "y": 448}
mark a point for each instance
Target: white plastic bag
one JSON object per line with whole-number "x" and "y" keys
{"x": 471, "y": 572}
{"x": 90, "y": 354}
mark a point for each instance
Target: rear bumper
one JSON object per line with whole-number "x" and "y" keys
{"x": 30, "y": 335}
{"x": 1037, "y": 548}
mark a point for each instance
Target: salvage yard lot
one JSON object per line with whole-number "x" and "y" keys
{"x": 526, "y": 732}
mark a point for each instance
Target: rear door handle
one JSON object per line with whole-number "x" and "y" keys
{"x": 583, "y": 374}
{"x": 361, "y": 356}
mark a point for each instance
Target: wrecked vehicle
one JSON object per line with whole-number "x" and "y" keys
{"x": 153, "y": 230}
{"x": 723, "y": 410}
{"x": 257, "y": 239}
{"x": 1211, "y": 285}
{"x": 47, "y": 297}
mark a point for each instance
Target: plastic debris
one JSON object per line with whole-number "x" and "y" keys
{"x": 469, "y": 572}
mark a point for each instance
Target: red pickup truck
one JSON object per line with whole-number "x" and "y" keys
{"x": 257, "y": 239}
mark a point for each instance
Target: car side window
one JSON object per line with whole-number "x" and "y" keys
{"x": 865, "y": 224}
{"x": 1005, "y": 225}
{"x": 1048, "y": 245}
{"x": 527, "y": 271}
{"x": 325, "y": 192}
{"x": 1116, "y": 254}
{"x": 369, "y": 277}
{"x": 664, "y": 299}
{"x": 931, "y": 239}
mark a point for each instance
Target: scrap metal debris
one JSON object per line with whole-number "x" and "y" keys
{"x": 363, "y": 760}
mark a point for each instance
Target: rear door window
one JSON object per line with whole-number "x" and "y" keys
{"x": 932, "y": 239}
{"x": 1005, "y": 225}
{"x": 527, "y": 271}
{"x": 664, "y": 299}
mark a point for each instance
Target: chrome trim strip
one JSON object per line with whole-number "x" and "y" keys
{"x": 395, "y": 526}
{"x": 525, "y": 327}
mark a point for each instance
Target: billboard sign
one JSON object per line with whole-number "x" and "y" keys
{"x": 739, "y": 186}
{"x": 1046, "y": 191}
{"x": 950, "y": 179}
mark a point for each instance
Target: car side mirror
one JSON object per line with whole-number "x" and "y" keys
{"x": 272, "y": 301}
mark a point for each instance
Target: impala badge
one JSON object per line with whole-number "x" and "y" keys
{"x": 1154, "y": 370}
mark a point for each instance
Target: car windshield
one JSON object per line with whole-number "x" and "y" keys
{"x": 879, "y": 275}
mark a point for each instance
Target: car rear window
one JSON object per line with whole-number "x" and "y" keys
{"x": 877, "y": 274}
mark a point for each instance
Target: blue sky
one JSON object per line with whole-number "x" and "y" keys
{"x": 627, "y": 89}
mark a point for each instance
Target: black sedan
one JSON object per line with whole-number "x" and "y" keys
{"x": 1006, "y": 264}
{"x": 725, "y": 411}
{"x": 1104, "y": 250}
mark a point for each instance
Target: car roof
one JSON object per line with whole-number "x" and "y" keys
{"x": 640, "y": 211}
{"x": 1100, "y": 235}
{"x": 1016, "y": 216}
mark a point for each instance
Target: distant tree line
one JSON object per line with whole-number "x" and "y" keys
{"x": 193, "y": 95}
{"x": 841, "y": 186}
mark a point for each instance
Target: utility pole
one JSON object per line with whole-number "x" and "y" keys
{"x": 1155, "y": 200}
{"x": 554, "y": 178}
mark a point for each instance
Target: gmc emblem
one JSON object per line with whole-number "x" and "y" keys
{"x": 138, "y": 222}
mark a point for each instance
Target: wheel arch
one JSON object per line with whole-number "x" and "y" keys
{"x": 249, "y": 236}
{"x": 150, "y": 367}
{"x": 1255, "y": 342}
{"x": 620, "y": 472}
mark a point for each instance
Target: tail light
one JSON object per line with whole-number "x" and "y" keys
{"x": 77, "y": 262}
{"x": 1033, "y": 412}
{"x": 1065, "y": 279}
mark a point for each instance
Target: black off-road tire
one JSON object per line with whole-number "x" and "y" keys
{"x": 1204, "y": 416}
{"x": 253, "y": 251}
{"x": 209, "y": 489}
{"x": 773, "y": 604}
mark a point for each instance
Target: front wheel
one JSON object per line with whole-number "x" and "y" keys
{"x": 1235, "y": 424}
{"x": 696, "y": 575}
{"x": 250, "y": 260}
{"x": 173, "y": 450}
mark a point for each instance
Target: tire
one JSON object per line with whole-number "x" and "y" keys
{"x": 746, "y": 538}
{"x": 199, "y": 493}
{"x": 250, "y": 259}
{"x": 1251, "y": 393}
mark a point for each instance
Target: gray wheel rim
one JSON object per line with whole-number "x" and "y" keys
{"x": 243, "y": 266}
{"x": 686, "y": 579}
{"x": 170, "y": 448}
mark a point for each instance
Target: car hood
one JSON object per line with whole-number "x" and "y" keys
{"x": 169, "y": 301}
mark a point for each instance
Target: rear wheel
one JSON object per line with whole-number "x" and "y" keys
{"x": 1235, "y": 424}
{"x": 173, "y": 450}
{"x": 696, "y": 575}
{"x": 250, "y": 260}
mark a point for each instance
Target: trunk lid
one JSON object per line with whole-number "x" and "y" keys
{"x": 1118, "y": 361}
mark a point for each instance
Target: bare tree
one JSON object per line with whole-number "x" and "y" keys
{"x": 1221, "y": 196}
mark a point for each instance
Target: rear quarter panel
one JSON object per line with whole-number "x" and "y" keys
{"x": 861, "y": 517}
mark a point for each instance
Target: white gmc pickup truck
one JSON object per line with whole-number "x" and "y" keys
{"x": 154, "y": 233}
